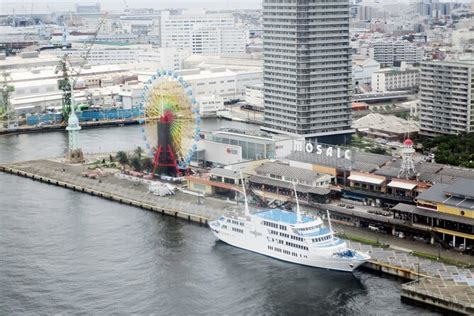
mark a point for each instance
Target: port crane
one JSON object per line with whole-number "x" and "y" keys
{"x": 7, "y": 111}
{"x": 69, "y": 74}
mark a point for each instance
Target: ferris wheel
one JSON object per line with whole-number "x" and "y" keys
{"x": 170, "y": 122}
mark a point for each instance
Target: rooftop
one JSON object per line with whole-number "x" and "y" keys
{"x": 225, "y": 173}
{"x": 460, "y": 194}
{"x": 402, "y": 207}
{"x": 361, "y": 161}
{"x": 281, "y": 169}
{"x": 388, "y": 123}
{"x": 285, "y": 217}
{"x": 288, "y": 185}
{"x": 245, "y": 134}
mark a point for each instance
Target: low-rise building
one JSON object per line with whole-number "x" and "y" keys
{"x": 209, "y": 105}
{"x": 389, "y": 127}
{"x": 446, "y": 210}
{"x": 362, "y": 70}
{"x": 254, "y": 97}
{"x": 278, "y": 178}
{"x": 393, "y": 79}
{"x": 221, "y": 82}
{"x": 131, "y": 94}
{"x": 219, "y": 181}
{"x": 107, "y": 54}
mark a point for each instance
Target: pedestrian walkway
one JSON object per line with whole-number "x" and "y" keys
{"x": 405, "y": 243}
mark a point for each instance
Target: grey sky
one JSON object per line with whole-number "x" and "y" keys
{"x": 41, "y": 6}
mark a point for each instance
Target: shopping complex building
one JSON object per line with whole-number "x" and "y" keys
{"x": 446, "y": 210}
{"x": 436, "y": 203}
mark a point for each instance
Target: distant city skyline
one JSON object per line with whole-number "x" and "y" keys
{"x": 24, "y": 6}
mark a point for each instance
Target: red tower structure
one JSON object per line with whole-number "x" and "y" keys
{"x": 164, "y": 161}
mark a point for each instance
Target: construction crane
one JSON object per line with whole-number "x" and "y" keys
{"x": 126, "y": 5}
{"x": 64, "y": 36}
{"x": 6, "y": 111}
{"x": 70, "y": 75}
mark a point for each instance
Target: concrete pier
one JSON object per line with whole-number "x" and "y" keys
{"x": 447, "y": 295}
{"x": 24, "y": 129}
{"x": 459, "y": 282}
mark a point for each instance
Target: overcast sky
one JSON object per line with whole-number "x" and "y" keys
{"x": 40, "y": 6}
{"x": 43, "y": 6}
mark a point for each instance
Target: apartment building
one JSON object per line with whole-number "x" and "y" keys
{"x": 307, "y": 69}
{"x": 202, "y": 32}
{"x": 447, "y": 97}
{"x": 394, "y": 79}
{"x": 387, "y": 53}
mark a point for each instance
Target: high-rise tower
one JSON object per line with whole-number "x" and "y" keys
{"x": 307, "y": 68}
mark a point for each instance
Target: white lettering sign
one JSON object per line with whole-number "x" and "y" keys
{"x": 336, "y": 152}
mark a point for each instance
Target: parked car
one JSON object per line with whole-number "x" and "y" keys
{"x": 373, "y": 228}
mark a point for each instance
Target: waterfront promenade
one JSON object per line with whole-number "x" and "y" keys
{"x": 457, "y": 283}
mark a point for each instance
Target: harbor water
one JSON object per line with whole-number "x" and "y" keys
{"x": 66, "y": 252}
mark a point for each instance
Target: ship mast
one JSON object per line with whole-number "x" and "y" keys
{"x": 247, "y": 212}
{"x": 330, "y": 226}
{"x": 298, "y": 211}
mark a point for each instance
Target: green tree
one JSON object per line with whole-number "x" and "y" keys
{"x": 147, "y": 164}
{"x": 136, "y": 163}
{"x": 378, "y": 150}
{"x": 139, "y": 152}
{"x": 122, "y": 158}
{"x": 457, "y": 150}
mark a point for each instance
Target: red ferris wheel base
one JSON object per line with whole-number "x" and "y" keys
{"x": 171, "y": 161}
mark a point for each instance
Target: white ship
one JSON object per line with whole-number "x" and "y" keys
{"x": 288, "y": 236}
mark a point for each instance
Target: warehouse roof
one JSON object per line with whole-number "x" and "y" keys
{"x": 360, "y": 161}
{"x": 402, "y": 207}
{"x": 288, "y": 185}
{"x": 459, "y": 194}
{"x": 225, "y": 173}
{"x": 387, "y": 123}
{"x": 281, "y": 169}
{"x": 367, "y": 178}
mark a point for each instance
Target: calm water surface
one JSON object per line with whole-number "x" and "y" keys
{"x": 65, "y": 252}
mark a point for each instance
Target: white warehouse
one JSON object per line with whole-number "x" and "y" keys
{"x": 220, "y": 81}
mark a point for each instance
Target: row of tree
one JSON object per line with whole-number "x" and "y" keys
{"x": 136, "y": 160}
{"x": 456, "y": 150}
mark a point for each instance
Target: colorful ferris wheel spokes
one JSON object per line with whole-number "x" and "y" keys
{"x": 170, "y": 115}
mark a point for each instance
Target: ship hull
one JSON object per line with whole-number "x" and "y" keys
{"x": 319, "y": 258}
